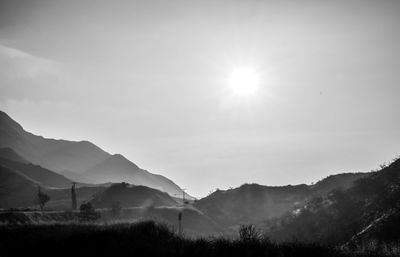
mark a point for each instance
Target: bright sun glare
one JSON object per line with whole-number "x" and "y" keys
{"x": 244, "y": 81}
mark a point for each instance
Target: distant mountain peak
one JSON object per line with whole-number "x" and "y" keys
{"x": 118, "y": 156}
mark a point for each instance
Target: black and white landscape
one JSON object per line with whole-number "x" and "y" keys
{"x": 200, "y": 128}
{"x": 356, "y": 210}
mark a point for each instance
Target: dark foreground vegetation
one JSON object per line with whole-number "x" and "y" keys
{"x": 146, "y": 239}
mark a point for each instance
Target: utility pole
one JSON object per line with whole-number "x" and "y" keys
{"x": 183, "y": 196}
{"x": 180, "y": 223}
{"x": 180, "y": 213}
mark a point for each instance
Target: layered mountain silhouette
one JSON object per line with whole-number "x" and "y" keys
{"x": 19, "y": 184}
{"x": 20, "y": 181}
{"x": 57, "y": 155}
{"x": 346, "y": 208}
{"x": 80, "y": 161}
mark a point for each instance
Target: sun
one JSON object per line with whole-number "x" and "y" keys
{"x": 244, "y": 81}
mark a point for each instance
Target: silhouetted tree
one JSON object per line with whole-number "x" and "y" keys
{"x": 73, "y": 197}
{"x": 42, "y": 199}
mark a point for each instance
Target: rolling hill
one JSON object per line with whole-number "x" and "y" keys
{"x": 132, "y": 196}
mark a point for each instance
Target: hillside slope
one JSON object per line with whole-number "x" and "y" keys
{"x": 10, "y": 154}
{"x": 42, "y": 176}
{"x": 116, "y": 168}
{"x": 369, "y": 210}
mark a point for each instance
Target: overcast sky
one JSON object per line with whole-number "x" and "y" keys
{"x": 148, "y": 79}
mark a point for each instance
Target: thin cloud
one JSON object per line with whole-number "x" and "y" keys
{"x": 24, "y": 76}
{"x": 16, "y": 64}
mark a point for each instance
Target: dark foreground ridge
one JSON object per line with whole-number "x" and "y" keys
{"x": 145, "y": 238}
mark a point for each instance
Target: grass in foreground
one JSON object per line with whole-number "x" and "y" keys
{"x": 141, "y": 239}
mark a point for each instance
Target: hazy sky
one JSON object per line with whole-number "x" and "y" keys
{"x": 148, "y": 79}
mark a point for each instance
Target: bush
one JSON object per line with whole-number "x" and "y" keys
{"x": 249, "y": 233}
{"x": 88, "y": 213}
